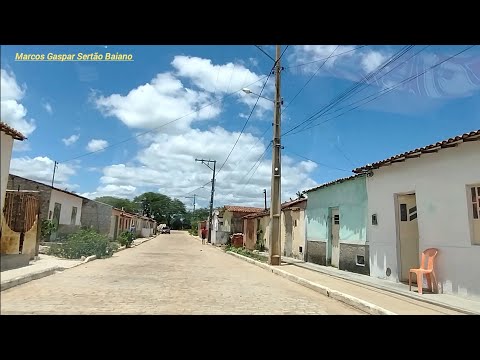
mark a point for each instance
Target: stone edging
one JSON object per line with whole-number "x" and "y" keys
{"x": 334, "y": 294}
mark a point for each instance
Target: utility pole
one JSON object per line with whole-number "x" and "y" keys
{"x": 192, "y": 197}
{"x": 265, "y": 196}
{"x": 275, "y": 202}
{"x": 207, "y": 163}
{"x": 54, "y": 168}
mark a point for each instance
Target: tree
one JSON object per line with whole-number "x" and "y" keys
{"x": 163, "y": 208}
{"x": 300, "y": 195}
{"x": 119, "y": 203}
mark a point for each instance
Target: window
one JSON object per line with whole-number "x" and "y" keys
{"x": 360, "y": 260}
{"x": 475, "y": 217}
{"x": 336, "y": 219}
{"x": 73, "y": 219}
{"x": 295, "y": 223}
{"x": 403, "y": 212}
{"x": 374, "y": 219}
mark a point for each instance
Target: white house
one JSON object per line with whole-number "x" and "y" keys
{"x": 427, "y": 198}
{"x": 7, "y": 136}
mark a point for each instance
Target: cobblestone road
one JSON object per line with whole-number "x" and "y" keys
{"x": 171, "y": 274}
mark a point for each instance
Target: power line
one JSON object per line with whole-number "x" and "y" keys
{"x": 160, "y": 126}
{"x": 315, "y": 61}
{"x": 386, "y": 91}
{"x": 310, "y": 79}
{"x": 251, "y": 112}
{"x": 388, "y": 72}
{"x": 263, "y": 51}
{"x": 259, "y": 161}
{"x": 343, "y": 96}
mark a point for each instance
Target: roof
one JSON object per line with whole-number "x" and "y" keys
{"x": 245, "y": 209}
{"x": 11, "y": 131}
{"x": 52, "y": 187}
{"x": 452, "y": 142}
{"x": 338, "y": 181}
{"x": 285, "y": 205}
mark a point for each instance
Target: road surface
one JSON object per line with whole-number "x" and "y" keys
{"x": 171, "y": 274}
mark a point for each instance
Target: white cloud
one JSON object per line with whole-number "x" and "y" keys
{"x": 21, "y": 146}
{"x": 48, "y": 108}
{"x": 372, "y": 60}
{"x": 71, "y": 140}
{"x": 40, "y": 169}
{"x": 123, "y": 191}
{"x": 168, "y": 165}
{"x": 166, "y": 160}
{"x": 96, "y": 145}
{"x": 11, "y": 111}
{"x": 167, "y": 98}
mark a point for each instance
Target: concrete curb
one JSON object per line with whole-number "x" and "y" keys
{"x": 90, "y": 258}
{"x": 27, "y": 278}
{"x": 334, "y": 294}
{"x": 411, "y": 295}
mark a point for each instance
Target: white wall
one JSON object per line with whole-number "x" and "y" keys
{"x": 439, "y": 181}
{"x": 67, "y": 201}
{"x": 6, "y": 142}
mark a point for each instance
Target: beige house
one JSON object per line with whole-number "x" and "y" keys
{"x": 257, "y": 229}
{"x": 7, "y": 136}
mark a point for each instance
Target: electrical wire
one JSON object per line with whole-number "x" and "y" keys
{"x": 263, "y": 51}
{"x": 318, "y": 60}
{"x": 387, "y": 90}
{"x": 343, "y": 96}
{"x": 251, "y": 112}
{"x": 316, "y": 162}
{"x": 310, "y": 79}
{"x": 160, "y": 126}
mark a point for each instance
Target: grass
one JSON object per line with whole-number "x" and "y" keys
{"x": 247, "y": 253}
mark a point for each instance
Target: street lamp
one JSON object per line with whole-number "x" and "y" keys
{"x": 248, "y": 91}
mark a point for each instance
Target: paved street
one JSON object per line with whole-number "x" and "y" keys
{"x": 171, "y": 274}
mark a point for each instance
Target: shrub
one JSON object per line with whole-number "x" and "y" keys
{"x": 47, "y": 228}
{"x": 85, "y": 242}
{"x": 126, "y": 238}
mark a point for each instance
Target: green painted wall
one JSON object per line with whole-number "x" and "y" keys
{"x": 351, "y": 199}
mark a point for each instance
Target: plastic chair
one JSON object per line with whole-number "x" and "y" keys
{"x": 427, "y": 256}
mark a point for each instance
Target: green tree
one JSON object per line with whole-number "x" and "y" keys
{"x": 163, "y": 208}
{"x": 119, "y": 203}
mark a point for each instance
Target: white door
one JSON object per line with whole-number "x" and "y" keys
{"x": 408, "y": 234}
{"x": 335, "y": 236}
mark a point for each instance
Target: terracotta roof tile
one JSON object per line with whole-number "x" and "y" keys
{"x": 471, "y": 136}
{"x": 245, "y": 209}
{"x": 338, "y": 181}
{"x": 11, "y": 131}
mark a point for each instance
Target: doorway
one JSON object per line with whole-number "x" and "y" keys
{"x": 56, "y": 220}
{"x": 334, "y": 237}
{"x": 408, "y": 235}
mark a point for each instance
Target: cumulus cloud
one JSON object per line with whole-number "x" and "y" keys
{"x": 11, "y": 110}
{"x": 96, "y": 145}
{"x": 71, "y": 140}
{"x": 40, "y": 169}
{"x": 174, "y": 100}
{"x": 166, "y": 159}
{"x": 372, "y": 60}
{"x": 168, "y": 165}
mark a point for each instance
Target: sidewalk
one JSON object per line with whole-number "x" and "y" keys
{"x": 47, "y": 265}
{"x": 362, "y": 291}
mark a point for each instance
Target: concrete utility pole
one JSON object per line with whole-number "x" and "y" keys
{"x": 54, "y": 168}
{"x": 192, "y": 197}
{"x": 275, "y": 202}
{"x": 207, "y": 162}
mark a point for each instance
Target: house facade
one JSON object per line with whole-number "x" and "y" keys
{"x": 336, "y": 217}
{"x": 99, "y": 217}
{"x": 61, "y": 207}
{"x": 7, "y": 137}
{"x": 427, "y": 198}
{"x": 257, "y": 229}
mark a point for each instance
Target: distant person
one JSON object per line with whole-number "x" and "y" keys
{"x": 133, "y": 228}
{"x": 204, "y": 235}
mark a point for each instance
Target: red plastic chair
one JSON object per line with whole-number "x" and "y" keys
{"x": 428, "y": 256}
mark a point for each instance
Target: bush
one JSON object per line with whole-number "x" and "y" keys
{"x": 126, "y": 238}
{"x": 85, "y": 242}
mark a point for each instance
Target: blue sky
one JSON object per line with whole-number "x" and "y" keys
{"x": 68, "y": 109}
